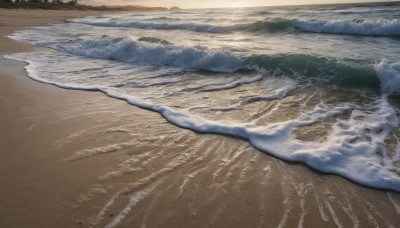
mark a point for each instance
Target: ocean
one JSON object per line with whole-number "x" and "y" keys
{"x": 318, "y": 84}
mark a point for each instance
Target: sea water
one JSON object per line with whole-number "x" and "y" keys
{"x": 312, "y": 84}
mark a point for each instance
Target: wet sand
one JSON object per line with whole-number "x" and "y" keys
{"x": 76, "y": 158}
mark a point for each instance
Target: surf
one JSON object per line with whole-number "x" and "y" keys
{"x": 316, "y": 91}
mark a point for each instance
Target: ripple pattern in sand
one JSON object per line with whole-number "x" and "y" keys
{"x": 163, "y": 176}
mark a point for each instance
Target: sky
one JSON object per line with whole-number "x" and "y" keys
{"x": 187, "y": 4}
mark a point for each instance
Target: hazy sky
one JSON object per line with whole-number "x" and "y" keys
{"x": 214, "y": 3}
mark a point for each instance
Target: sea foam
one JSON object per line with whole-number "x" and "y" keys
{"x": 389, "y": 75}
{"x": 247, "y": 76}
{"x": 348, "y": 150}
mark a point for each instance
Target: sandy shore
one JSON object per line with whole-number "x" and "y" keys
{"x": 74, "y": 158}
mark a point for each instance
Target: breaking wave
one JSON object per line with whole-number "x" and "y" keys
{"x": 258, "y": 76}
{"x": 154, "y": 54}
{"x": 365, "y": 27}
{"x": 389, "y": 76}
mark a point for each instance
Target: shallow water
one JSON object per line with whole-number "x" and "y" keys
{"x": 311, "y": 84}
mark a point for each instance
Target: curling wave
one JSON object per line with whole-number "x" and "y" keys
{"x": 154, "y": 54}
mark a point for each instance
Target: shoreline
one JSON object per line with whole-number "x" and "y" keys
{"x": 32, "y": 171}
{"x": 69, "y": 153}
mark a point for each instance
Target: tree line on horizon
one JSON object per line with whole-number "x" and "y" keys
{"x": 72, "y": 2}
{"x": 73, "y": 5}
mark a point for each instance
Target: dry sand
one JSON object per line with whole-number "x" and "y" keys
{"x": 73, "y": 158}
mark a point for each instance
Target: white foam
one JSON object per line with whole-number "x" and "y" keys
{"x": 351, "y": 149}
{"x": 128, "y": 50}
{"x": 389, "y": 76}
{"x": 338, "y": 155}
{"x": 156, "y": 77}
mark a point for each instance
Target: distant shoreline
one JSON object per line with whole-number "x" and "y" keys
{"x": 72, "y": 6}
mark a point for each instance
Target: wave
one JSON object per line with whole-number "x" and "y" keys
{"x": 164, "y": 26}
{"x": 346, "y": 73}
{"x": 274, "y": 25}
{"x": 151, "y": 51}
{"x": 148, "y": 72}
{"x": 154, "y": 40}
{"x": 154, "y": 54}
{"x": 346, "y": 144}
{"x": 366, "y": 27}
{"x": 263, "y": 13}
{"x": 388, "y": 9}
{"x": 271, "y": 26}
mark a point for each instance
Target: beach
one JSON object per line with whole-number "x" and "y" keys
{"x": 80, "y": 158}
